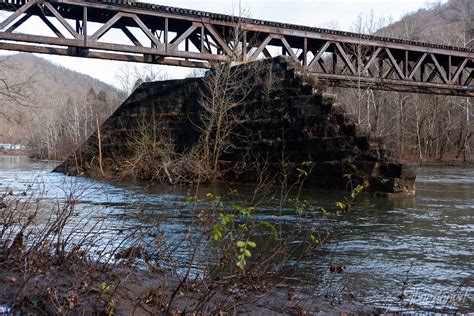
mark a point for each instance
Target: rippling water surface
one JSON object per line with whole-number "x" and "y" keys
{"x": 420, "y": 246}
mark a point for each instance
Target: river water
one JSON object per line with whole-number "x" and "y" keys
{"x": 420, "y": 246}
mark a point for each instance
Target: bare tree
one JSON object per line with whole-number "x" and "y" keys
{"x": 420, "y": 127}
{"x": 14, "y": 96}
{"x": 225, "y": 89}
{"x": 14, "y": 92}
{"x": 224, "y": 92}
{"x": 131, "y": 77}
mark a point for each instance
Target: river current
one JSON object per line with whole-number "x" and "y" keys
{"x": 421, "y": 247}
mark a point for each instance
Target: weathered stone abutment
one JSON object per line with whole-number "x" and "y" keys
{"x": 290, "y": 119}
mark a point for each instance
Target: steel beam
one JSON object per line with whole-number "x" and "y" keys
{"x": 340, "y": 58}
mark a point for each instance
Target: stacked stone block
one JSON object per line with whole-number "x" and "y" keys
{"x": 294, "y": 121}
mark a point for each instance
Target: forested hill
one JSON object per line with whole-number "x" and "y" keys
{"x": 420, "y": 127}
{"x": 49, "y": 107}
{"x": 451, "y": 23}
{"x": 48, "y": 80}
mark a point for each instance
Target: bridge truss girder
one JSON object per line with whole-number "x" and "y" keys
{"x": 186, "y": 38}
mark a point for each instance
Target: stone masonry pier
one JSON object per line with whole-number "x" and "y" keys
{"x": 294, "y": 121}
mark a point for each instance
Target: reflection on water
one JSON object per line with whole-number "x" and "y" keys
{"x": 422, "y": 244}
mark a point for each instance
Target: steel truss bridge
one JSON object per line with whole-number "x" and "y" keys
{"x": 181, "y": 37}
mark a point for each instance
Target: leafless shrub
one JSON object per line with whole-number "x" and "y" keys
{"x": 56, "y": 259}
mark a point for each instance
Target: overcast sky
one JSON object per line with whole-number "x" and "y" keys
{"x": 321, "y": 13}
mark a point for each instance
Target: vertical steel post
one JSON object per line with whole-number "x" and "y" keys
{"x": 84, "y": 26}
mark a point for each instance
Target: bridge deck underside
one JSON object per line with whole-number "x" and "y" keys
{"x": 171, "y": 36}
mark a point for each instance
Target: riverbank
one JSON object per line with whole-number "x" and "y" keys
{"x": 57, "y": 264}
{"x": 12, "y": 152}
{"x": 419, "y": 244}
{"x": 449, "y": 163}
{"x": 126, "y": 291}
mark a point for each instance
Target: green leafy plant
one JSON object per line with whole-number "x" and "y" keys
{"x": 314, "y": 240}
{"x": 305, "y": 168}
{"x": 244, "y": 252}
{"x": 220, "y": 224}
{"x": 344, "y": 207}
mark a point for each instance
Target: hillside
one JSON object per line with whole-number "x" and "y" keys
{"x": 48, "y": 80}
{"x": 451, "y": 23}
{"x": 42, "y": 101}
{"x": 421, "y": 127}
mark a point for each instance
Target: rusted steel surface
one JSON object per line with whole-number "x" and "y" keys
{"x": 191, "y": 38}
